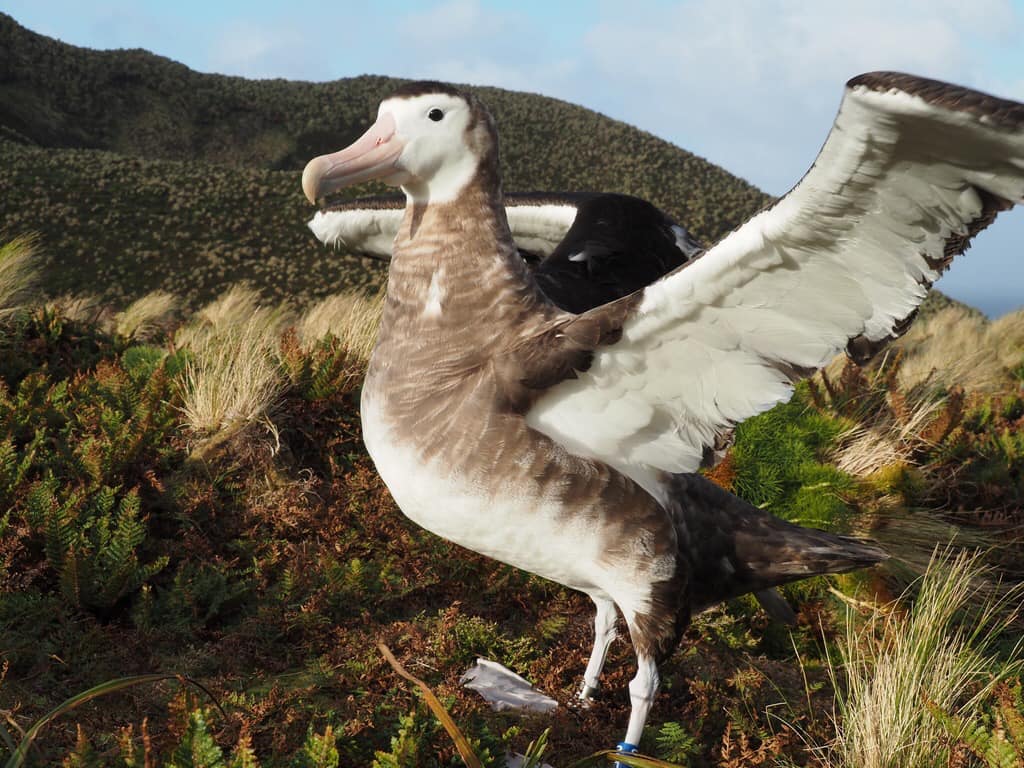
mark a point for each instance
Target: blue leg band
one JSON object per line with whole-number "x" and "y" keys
{"x": 626, "y": 748}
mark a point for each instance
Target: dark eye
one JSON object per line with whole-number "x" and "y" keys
{"x": 435, "y": 115}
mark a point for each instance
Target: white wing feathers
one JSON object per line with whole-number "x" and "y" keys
{"x": 364, "y": 230}
{"x": 539, "y": 228}
{"x": 899, "y": 187}
{"x": 368, "y": 227}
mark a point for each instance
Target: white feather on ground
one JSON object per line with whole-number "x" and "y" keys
{"x": 504, "y": 689}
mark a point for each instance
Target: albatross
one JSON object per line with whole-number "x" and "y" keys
{"x": 567, "y": 444}
{"x": 584, "y": 249}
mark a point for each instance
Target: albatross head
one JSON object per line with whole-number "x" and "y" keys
{"x": 429, "y": 138}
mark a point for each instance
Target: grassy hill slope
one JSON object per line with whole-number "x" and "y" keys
{"x": 212, "y": 187}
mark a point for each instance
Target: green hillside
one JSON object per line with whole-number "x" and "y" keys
{"x": 140, "y": 173}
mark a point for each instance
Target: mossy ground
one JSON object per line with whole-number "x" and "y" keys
{"x": 269, "y": 566}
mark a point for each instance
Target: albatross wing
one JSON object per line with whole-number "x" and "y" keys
{"x": 911, "y": 170}
{"x": 585, "y": 249}
{"x": 367, "y": 226}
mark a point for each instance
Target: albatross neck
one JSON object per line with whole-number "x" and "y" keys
{"x": 455, "y": 260}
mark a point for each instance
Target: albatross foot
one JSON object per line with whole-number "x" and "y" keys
{"x": 627, "y": 749}
{"x": 585, "y": 697}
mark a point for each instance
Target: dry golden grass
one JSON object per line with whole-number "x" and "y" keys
{"x": 232, "y": 307}
{"x": 19, "y": 273}
{"x": 352, "y": 318}
{"x": 940, "y": 652}
{"x": 233, "y": 376}
{"x": 148, "y": 316}
{"x": 87, "y": 309}
{"x": 890, "y": 425}
{"x": 882, "y": 442}
{"x": 238, "y": 306}
{"x": 1007, "y": 335}
{"x": 952, "y": 348}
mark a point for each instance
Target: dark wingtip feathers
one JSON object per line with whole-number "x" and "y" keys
{"x": 1008, "y": 114}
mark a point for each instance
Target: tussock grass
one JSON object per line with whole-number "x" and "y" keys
{"x": 232, "y": 307}
{"x": 84, "y": 308}
{"x": 19, "y": 273}
{"x": 1007, "y": 335}
{"x": 233, "y": 375}
{"x": 881, "y": 442}
{"x": 232, "y": 378}
{"x": 889, "y": 425}
{"x": 225, "y": 316}
{"x": 940, "y": 654}
{"x": 352, "y": 318}
{"x": 909, "y": 536}
{"x": 952, "y": 347}
{"x": 148, "y": 316}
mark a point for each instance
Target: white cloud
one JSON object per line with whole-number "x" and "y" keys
{"x": 263, "y": 50}
{"x": 464, "y": 41}
{"x": 799, "y": 42}
{"x": 754, "y": 85}
{"x": 455, "y": 21}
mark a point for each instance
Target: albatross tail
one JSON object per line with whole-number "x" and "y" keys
{"x": 734, "y": 547}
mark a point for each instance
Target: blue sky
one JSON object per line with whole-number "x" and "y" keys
{"x": 752, "y": 86}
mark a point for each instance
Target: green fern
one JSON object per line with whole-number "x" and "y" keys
{"x": 676, "y": 744}
{"x": 327, "y": 370}
{"x": 1011, "y": 709}
{"x": 15, "y": 464}
{"x": 142, "y": 361}
{"x": 407, "y": 746}
{"x": 59, "y": 524}
{"x": 319, "y": 751}
{"x": 92, "y": 543}
{"x": 197, "y": 749}
{"x": 984, "y": 736}
{"x": 84, "y": 754}
{"x": 132, "y": 755}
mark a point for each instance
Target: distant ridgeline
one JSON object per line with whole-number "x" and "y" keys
{"x": 140, "y": 174}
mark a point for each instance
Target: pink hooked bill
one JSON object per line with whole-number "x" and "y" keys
{"x": 373, "y": 155}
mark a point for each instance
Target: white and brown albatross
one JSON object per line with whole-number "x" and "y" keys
{"x": 567, "y": 444}
{"x": 584, "y": 249}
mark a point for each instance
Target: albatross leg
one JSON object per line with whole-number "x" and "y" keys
{"x": 642, "y": 690}
{"x": 604, "y": 633}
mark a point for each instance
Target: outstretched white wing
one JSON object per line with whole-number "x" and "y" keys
{"x": 367, "y": 226}
{"x": 911, "y": 170}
